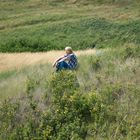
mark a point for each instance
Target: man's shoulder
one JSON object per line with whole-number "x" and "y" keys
{"x": 73, "y": 55}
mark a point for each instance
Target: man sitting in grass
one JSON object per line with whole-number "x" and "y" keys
{"x": 66, "y": 62}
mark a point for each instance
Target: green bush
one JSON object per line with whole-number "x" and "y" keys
{"x": 8, "y": 111}
{"x": 68, "y": 117}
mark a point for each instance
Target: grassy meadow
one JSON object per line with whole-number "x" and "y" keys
{"x": 98, "y": 101}
{"x": 41, "y": 25}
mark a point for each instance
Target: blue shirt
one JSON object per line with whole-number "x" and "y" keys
{"x": 72, "y": 60}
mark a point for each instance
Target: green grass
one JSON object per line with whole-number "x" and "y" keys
{"x": 101, "y": 99}
{"x": 42, "y": 26}
{"x": 113, "y": 66}
{"x": 13, "y": 83}
{"x": 103, "y": 102}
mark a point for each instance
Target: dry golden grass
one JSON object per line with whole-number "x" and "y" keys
{"x": 9, "y": 61}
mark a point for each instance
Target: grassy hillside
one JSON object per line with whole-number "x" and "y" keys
{"x": 99, "y": 101}
{"x": 27, "y": 25}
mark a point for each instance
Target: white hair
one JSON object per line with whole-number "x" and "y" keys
{"x": 68, "y": 49}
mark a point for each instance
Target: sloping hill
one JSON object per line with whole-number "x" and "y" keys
{"x": 98, "y": 101}
{"x": 38, "y": 25}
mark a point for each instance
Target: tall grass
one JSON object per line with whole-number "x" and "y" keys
{"x": 98, "y": 101}
{"x": 108, "y": 66}
{"x": 13, "y": 83}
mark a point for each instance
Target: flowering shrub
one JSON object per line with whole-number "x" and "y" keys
{"x": 70, "y": 114}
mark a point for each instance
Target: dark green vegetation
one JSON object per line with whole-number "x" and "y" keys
{"x": 81, "y": 35}
{"x": 98, "y": 101}
{"x": 45, "y": 25}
